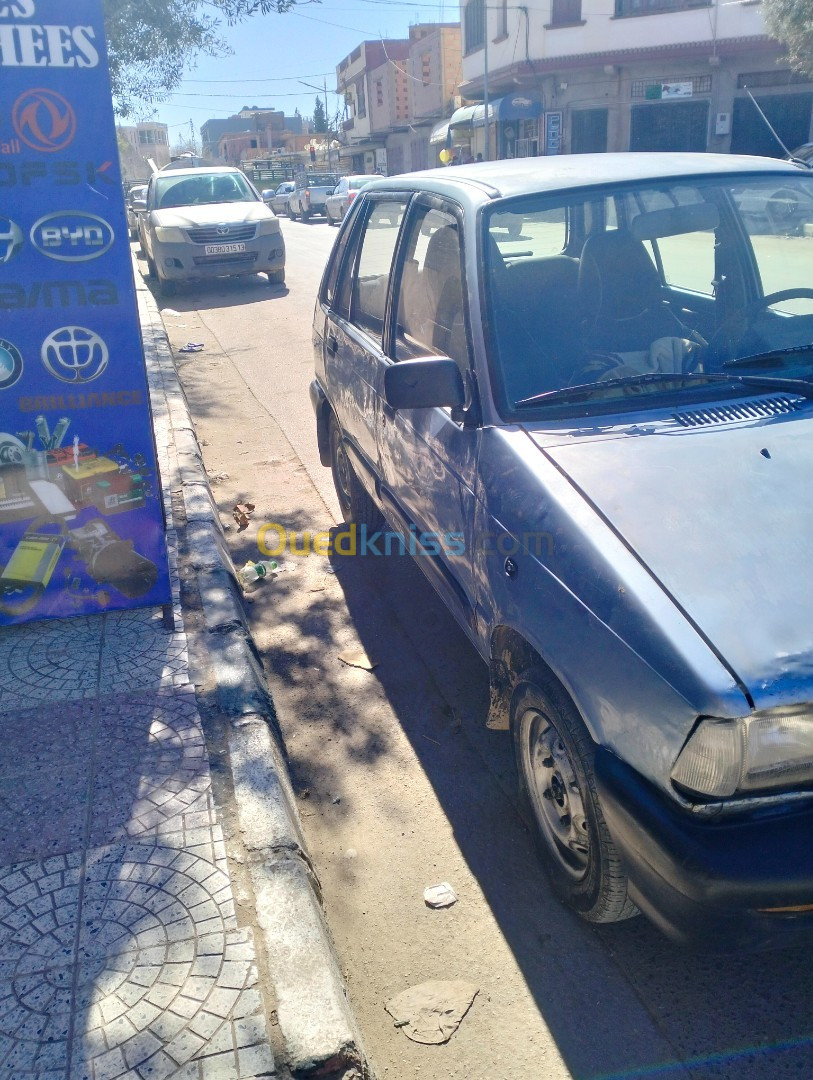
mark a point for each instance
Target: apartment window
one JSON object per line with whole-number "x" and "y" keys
{"x": 426, "y": 68}
{"x": 565, "y": 12}
{"x": 379, "y": 92}
{"x": 474, "y": 25}
{"x": 655, "y": 7}
{"x": 361, "y": 101}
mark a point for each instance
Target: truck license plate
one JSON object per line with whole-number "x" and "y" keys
{"x": 224, "y": 249}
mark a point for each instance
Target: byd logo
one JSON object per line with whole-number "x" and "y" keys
{"x": 72, "y": 236}
{"x": 44, "y": 120}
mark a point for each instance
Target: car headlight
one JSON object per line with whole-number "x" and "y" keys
{"x": 166, "y": 234}
{"x": 758, "y": 753}
{"x": 265, "y": 228}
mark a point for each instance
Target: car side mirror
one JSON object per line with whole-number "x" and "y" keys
{"x": 139, "y": 204}
{"x": 426, "y": 383}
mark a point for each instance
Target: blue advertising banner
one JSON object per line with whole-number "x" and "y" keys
{"x": 81, "y": 515}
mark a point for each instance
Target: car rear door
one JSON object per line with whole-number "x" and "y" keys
{"x": 429, "y": 456}
{"x": 354, "y": 358}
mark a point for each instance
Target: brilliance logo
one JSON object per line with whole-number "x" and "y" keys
{"x": 11, "y": 364}
{"x": 44, "y": 120}
{"x": 71, "y": 236}
{"x": 74, "y": 354}
{"x": 11, "y": 239}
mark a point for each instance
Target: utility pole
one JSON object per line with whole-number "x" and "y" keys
{"x": 487, "y": 154}
{"x": 323, "y": 88}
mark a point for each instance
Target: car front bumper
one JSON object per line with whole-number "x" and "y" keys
{"x": 706, "y": 882}
{"x": 188, "y": 261}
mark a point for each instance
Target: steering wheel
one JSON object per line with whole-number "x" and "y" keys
{"x": 721, "y": 347}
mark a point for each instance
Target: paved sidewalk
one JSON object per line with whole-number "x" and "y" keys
{"x": 120, "y": 950}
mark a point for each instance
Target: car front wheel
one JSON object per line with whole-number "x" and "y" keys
{"x": 356, "y": 505}
{"x": 554, "y": 755}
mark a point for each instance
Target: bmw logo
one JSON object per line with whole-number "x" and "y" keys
{"x": 11, "y": 364}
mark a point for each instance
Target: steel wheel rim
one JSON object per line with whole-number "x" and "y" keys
{"x": 341, "y": 470}
{"x": 555, "y": 793}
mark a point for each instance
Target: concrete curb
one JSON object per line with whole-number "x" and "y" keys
{"x": 318, "y": 1028}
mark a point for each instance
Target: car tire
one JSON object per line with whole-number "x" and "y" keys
{"x": 356, "y": 505}
{"x": 166, "y": 287}
{"x": 329, "y": 217}
{"x": 291, "y": 214}
{"x": 305, "y": 215}
{"x": 554, "y": 756}
{"x": 152, "y": 271}
{"x": 276, "y": 277}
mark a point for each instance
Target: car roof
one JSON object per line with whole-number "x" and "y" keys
{"x": 526, "y": 176}
{"x": 205, "y": 170}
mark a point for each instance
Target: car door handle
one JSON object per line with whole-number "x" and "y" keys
{"x": 332, "y": 343}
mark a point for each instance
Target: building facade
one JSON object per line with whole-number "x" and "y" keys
{"x": 141, "y": 143}
{"x": 628, "y": 75}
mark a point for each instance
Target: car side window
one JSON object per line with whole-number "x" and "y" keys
{"x": 371, "y": 279}
{"x": 431, "y": 311}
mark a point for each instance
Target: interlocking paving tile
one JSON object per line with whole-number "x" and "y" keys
{"x": 152, "y": 772}
{"x": 160, "y": 980}
{"x": 139, "y": 653}
{"x": 44, "y": 779}
{"x": 49, "y": 661}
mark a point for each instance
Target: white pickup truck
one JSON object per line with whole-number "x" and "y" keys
{"x": 309, "y": 194}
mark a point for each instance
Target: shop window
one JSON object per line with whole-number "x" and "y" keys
{"x": 655, "y": 7}
{"x": 588, "y": 131}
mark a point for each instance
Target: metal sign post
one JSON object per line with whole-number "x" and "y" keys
{"x": 81, "y": 512}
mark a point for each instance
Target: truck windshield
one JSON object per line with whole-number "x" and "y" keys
{"x": 201, "y": 189}
{"x": 676, "y": 277}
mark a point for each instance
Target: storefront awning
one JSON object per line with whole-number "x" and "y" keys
{"x": 515, "y": 107}
{"x": 464, "y": 118}
{"x": 440, "y": 133}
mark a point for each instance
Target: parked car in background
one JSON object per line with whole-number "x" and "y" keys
{"x": 136, "y": 203}
{"x": 339, "y": 201}
{"x": 579, "y": 390}
{"x": 206, "y": 223}
{"x": 277, "y": 199}
{"x": 310, "y": 194}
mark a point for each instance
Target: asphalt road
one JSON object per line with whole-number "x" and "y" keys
{"x": 402, "y": 787}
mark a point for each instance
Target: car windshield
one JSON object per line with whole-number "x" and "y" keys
{"x": 356, "y": 182}
{"x": 648, "y": 288}
{"x": 201, "y": 189}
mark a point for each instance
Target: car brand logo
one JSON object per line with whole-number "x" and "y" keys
{"x": 11, "y": 239}
{"x": 11, "y": 364}
{"x": 223, "y": 230}
{"x": 71, "y": 236}
{"x": 44, "y": 120}
{"x": 73, "y": 354}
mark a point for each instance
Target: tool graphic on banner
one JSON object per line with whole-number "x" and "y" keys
{"x": 72, "y": 236}
{"x": 74, "y": 354}
{"x": 11, "y": 364}
{"x": 11, "y": 239}
{"x": 44, "y": 120}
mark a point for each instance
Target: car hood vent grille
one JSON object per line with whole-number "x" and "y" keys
{"x": 743, "y": 410}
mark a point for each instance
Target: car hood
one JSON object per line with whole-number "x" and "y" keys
{"x": 229, "y": 213}
{"x": 722, "y": 516}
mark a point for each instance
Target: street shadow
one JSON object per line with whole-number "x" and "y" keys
{"x": 620, "y": 1001}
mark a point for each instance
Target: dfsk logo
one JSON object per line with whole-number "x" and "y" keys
{"x": 44, "y": 120}
{"x": 72, "y": 237}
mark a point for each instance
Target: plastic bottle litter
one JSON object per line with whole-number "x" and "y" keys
{"x": 252, "y": 572}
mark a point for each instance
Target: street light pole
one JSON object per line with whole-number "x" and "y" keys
{"x": 487, "y": 154}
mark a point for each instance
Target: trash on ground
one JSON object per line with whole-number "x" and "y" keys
{"x": 431, "y": 1012}
{"x": 241, "y": 512}
{"x": 218, "y": 477}
{"x": 192, "y": 346}
{"x": 252, "y": 572}
{"x": 170, "y": 311}
{"x": 358, "y": 659}
{"x": 330, "y": 570}
{"x": 440, "y": 896}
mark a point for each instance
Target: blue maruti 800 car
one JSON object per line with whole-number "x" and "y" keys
{"x": 596, "y": 372}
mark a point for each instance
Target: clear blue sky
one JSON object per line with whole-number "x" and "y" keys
{"x": 271, "y": 52}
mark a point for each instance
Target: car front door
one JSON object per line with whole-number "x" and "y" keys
{"x": 354, "y": 329}
{"x": 429, "y": 456}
